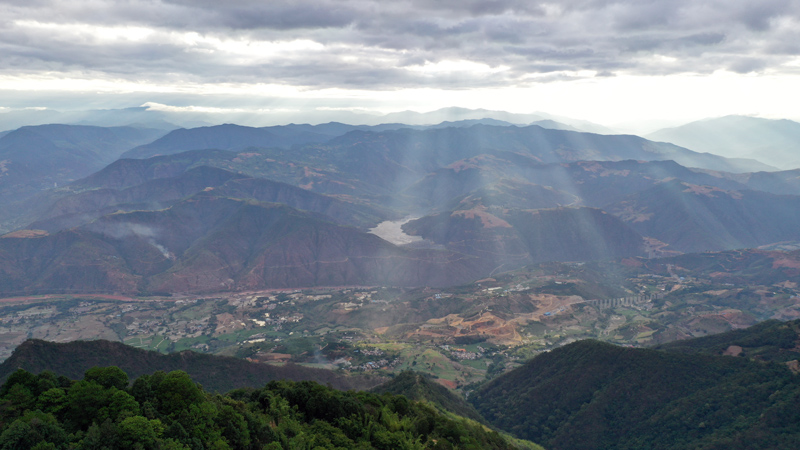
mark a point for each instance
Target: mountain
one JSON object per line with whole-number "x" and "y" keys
{"x": 86, "y": 205}
{"x": 137, "y": 117}
{"x": 553, "y": 125}
{"x": 154, "y": 183}
{"x": 221, "y": 137}
{"x": 21, "y": 211}
{"x": 126, "y": 173}
{"x": 495, "y": 197}
{"x": 79, "y": 148}
{"x": 589, "y": 395}
{"x": 468, "y": 123}
{"x": 590, "y": 183}
{"x": 511, "y": 194}
{"x": 775, "y": 142}
{"x": 238, "y": 137}
{"x": 431, "y": 149}
{"x": 693, "y": 218}
{"x": 215, "y": 373}
{"x": 513, "y": 238}
{"x": 453, "y": 114}
{"x": 40, "y": 157}
{"x": 408, "y": 153}
{"x": 212, "y": 243}
{"x": 780, "y": 182}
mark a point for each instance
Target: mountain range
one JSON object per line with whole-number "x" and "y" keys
{"x": 211, "y": 243}
{"x": 165, "y": 118}
{"x": 232, "y": 207}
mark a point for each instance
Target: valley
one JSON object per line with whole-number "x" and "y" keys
{"x": 461, "y": 335}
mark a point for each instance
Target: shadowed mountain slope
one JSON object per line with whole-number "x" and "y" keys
{"x": 590, "y": 395}
{"x": 158, "y": 193}
{"x": 512, "y": 238}
{"x": 215, "y": 373}
{"x": 592, "y": 183}
{"x": 210, "y": 243}
{"x": 694, "y": 218}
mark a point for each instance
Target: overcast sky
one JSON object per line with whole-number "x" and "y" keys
{"x": 608, "y": 61}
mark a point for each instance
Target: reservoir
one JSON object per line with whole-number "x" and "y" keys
{"x": 390, "y": 230}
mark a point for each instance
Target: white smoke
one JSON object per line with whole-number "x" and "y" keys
{"x": 126, "y": 229}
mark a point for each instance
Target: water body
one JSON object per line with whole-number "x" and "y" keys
{"x": 391, "y": 231}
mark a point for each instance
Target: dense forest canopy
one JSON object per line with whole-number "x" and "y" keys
{"x": 171, "y": 411}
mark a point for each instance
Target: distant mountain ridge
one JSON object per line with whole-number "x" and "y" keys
{"x": 451, "y": 144}
{"x": 40, "y": 157}
{"x": 775, "y": 142}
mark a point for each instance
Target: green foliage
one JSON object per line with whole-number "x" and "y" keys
{"x": 418, "y": 387}
{"x": 33, "y": 429}
{"x": 107, "y": 377}
{"x": 590, "y": 395}
{"x": 169, "y": 411}
{"x": 770, "y": 340}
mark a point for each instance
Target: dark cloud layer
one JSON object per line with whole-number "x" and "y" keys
{"x": 379, "y": 44}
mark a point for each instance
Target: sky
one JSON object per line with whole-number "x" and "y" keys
{"x": 607, "y": 61}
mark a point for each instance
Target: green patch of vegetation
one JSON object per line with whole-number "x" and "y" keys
{"x": 189, "y": 343}
{"x": 170, "y": 411}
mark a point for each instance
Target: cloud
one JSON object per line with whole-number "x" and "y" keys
{"x": 373, "y": 44}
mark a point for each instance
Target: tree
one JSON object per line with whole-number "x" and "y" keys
{"x": 33, "y": 428}
{"x": 139, "y": 433}
{"x": 107, "y": 377}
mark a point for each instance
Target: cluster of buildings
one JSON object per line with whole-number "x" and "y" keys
{"x": 373, "y": 365}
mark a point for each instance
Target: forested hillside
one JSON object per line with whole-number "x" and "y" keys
{"x": 594, "y": 395}
{"x": 170, "y": 411}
